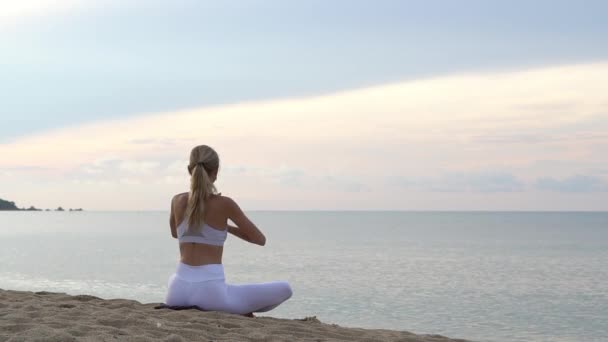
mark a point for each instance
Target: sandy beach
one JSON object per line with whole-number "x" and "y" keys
{"x": 46, "y": 316}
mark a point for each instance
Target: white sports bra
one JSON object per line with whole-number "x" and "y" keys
{"x": 206, "y": 234}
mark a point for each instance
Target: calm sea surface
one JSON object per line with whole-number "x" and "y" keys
{"x": 483, "y": 276}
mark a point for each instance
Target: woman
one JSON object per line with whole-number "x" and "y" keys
{"x": 199, "y": 220}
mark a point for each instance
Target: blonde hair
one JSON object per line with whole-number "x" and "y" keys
{"x": 204, "y": 162}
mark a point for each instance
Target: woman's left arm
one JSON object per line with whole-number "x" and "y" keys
{"x": 238, "y": 233}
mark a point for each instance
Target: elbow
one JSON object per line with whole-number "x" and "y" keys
{"x": 262, "y": 241}
{"x": 257, "y": 240}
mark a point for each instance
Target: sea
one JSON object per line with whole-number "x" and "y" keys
{"x": 483, "y": 276}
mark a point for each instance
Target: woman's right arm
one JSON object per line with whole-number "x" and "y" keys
{"x": 245, "y": 229}
{"x": 172, "y": 222}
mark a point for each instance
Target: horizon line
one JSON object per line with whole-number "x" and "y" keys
{"x": 342, "y": 210}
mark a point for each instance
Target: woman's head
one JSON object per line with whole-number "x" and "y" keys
{"x": 203, "y": 167}
{"x": 205, "y": 157}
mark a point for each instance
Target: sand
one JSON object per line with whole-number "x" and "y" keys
{"x": 46, "y": 316}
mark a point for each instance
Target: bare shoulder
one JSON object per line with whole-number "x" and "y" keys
{"x": 225, "y": 202}
{"x": 180, "y": 199}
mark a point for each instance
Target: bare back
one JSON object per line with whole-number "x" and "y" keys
{"x": 216, "y": 216}
{"x": 218, "y": 210}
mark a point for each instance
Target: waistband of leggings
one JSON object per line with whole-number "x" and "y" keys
{"x": 200, "y": 273}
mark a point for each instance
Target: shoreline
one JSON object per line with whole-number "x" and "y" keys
{"x": 50, "y": 316}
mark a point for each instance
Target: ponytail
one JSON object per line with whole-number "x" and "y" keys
{"x": 205, "y": 162}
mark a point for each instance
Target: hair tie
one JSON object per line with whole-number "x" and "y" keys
{"x": 202, "y": 164}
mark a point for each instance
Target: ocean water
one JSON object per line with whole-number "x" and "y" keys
{"x": 485, "y": 276}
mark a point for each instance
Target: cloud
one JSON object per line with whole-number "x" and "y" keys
{"x": 139, "y": 167}
{"x": 158, "y": 142}
{"x": 559, "y": 107}
{"x": 342, "y": 183}
{"x": 486, "y": 182}
{"x": 462, "y": 134}
{"x": 573, "y": 184}
{"x": 134, "y": 172}
{"x": 453, "y": 110}
{"x": 25, "y": 168}
{"x": 286, "y": 176}
{"x": 299, "y": 178}
{"x": 119, "y": 171}
{"x": 30, "y": 171}
{"x": 493, "y": 182}
{"x": 516, "y": 138}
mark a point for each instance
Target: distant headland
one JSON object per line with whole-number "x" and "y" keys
{"x": 6, "y": 205}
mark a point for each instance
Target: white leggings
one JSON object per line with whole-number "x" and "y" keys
{"x": 205, "y": 286}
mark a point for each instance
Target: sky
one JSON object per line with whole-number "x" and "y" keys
{"x": 316, "y": 105}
